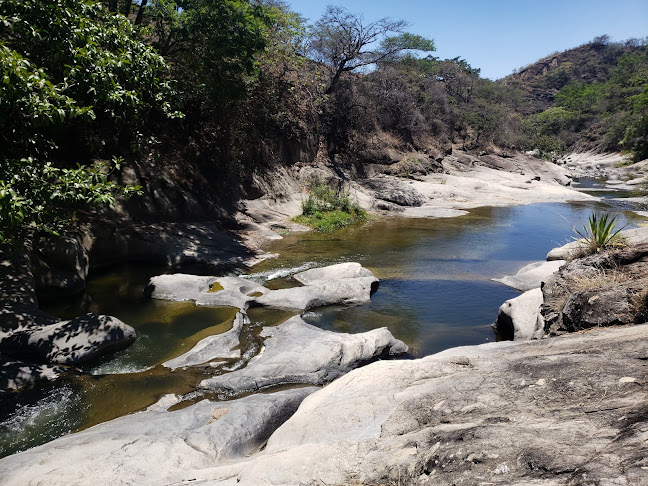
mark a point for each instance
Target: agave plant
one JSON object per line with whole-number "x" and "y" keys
{"x": 600, "y": 232}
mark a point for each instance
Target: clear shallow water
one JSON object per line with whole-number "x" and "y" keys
{"x": 435, "y": 293}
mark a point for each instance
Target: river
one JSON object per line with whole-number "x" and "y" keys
{"x": 435, "y": 292}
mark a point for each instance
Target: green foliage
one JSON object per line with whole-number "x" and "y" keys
{"x": 70, "y": 73}
{"x": 213, "y": 43}
{"x": 600, "y": 232}
{"x": 326, "y": 209}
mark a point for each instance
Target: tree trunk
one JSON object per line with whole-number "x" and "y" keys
{"x": 140, "y": 12}
{"x": 127, "y": 7}
{"x": 112, "y": 6}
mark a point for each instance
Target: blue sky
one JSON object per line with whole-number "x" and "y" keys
{"x": 499, "y": 36}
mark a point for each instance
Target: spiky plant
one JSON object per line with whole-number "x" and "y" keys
{"x": 600, "y": 232}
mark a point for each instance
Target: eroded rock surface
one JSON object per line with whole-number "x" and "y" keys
{"x": 213, "y": 347}
{"x": 563, "y": 411}
{"x": 68, "y": 342}
{"x": 608, "y": 288}
{"x": 344, "y": 284}
{"x": 18, "y": 374}
{"x": 296, "y": 352}
{"x": 155, "y": 446}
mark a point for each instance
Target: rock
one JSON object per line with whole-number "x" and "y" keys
{"x": 604, "y": 274}
{"x": 395, "y": 191}
{"x": 225, "y": 291}
{"x": 569, "y": 410}
{"x": 61, "y": 263}
{"x": 213, "y": 347}
{"x": 17, "y": 285}
{"x": 339, "y": 271}
{"x": 617, "y": 305}
{"x": 343, "y": 288}
{"x": 296, "y": 352}
{"x": 517, "y": 319}
{"x": 156, "y": 446}
{"x": 501, "y": 413}
{"x": 68, "y": 342}
{"x": 532, "y": 275}
{"x": 571, "y": 250}
{"x": 345, "y": 291}
{"x": 17, "y": 374}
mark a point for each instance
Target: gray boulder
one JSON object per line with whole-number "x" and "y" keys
{"x": 395, "y": 191}
{"x": 333, "y": 272}
{"x": 213, "y": 347}
{"x": 569, "y": 251}
{"x": 205, "y": 291}
{"x": 345, "y": 291}
{"x": 68, "y": 342}
{"x": 616, "y": 305}
{"x": 518, "y": 318}
{"x": 155, "y": 446}
{"x": 296, "y": 352}
{"x": 346, "y": 284}
{"x": 531, "y": 276}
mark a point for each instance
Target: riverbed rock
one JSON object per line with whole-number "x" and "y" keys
{"x": 220, "y": 346}
{"x": 517, "y": 318}
{"x": 345, "y": 284}
{"x": 599, "y": 288}
{"x": 15, "y": 375}
{"x": 68, "y": 342}
{"x": 562, "y": 411}
{"x": 156, "y": 446}
{"x": 568, "y": 251}
{"x": 205, "y": 291}
{"x": 394, "y": 190}
{"x": 296, "y": 352}
{"x": 531, "y": 276}
{"x": 615, "y": 305}
{"x": 345, "y": 291}
{"x": 338, "y": 271}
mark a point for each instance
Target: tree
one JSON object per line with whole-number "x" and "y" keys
{"x": 343, "y": 43}
{"x": 71, "y": 73}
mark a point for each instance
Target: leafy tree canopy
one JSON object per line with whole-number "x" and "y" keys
{"x": 68, "y": 69}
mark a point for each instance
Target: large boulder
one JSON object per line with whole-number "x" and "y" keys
{"x": 345, "y": 291}
{"x": 518, "y": 318}
{"x": 393, "y": 190}
{"x": 220, "y": 346}
{"x": 345, "y": 284}
{"x": 205, "y": 291}
{"x": 155, "y": 446}
{"x": 331, "y": 272}
{"x": 68, "y": 342}
{"x": 531, "y": 276}
{"x": 296, "y": 352}
{"x": 599, "y": 289}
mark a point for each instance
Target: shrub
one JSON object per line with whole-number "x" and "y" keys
{"x": 327, "y": 209}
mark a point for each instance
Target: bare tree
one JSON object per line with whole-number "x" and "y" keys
{"x": 341, "y": 41}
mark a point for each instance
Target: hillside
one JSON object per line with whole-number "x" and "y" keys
{"x": 592, "y": 97}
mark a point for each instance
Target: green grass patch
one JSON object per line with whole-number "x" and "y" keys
{"x": 327, "y": 209}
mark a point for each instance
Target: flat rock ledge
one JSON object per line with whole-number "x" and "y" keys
{"x": 556, "y": 412}
{"x": 343, "y": 284}
{"x": 297, "y": 353}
